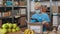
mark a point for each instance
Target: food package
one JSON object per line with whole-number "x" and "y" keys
{"x": 1, "y": 4}
{"x": 55, "y": 20}
{"x": 54, "y": 9}
{"x": 16, "y": 3}
{"x": 9, "y": 3}
{"x": 6, "y": 14}
{"x": 10, "y": 13}
{"x": 22, "y": 3}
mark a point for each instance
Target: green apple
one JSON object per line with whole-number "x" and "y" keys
{"x": 4, "y": 31}
{"x": 0, "y": 29}
{"x": 10, "y": 26}
{"x": 4, "y": 26}
{"x": 17, "y": 28}
{"x": 13, "y": 30}
{"x": 14, "y": 26}
{"x": 9, "y": 30}
{"x": 7, "y": 23}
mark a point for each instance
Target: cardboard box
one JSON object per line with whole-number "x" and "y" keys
{"x": 18, "y": 32}
{"x": 37, "y": 27}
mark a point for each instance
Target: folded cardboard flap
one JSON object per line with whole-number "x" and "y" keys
{"x": 18, "y": 32}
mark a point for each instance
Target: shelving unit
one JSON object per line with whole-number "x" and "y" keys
{"x": 15, "y": 15}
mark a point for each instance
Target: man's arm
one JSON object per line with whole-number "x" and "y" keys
{"x": 46, "y": 20}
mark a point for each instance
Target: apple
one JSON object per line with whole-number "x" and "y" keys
{"x": 4, "y": 31}
{"x": 10, "y": 25}
{"x": 4, "y": 26}
{"x": 13, "y": 30}
{"x": 9, "y": 30}
{"x": 0, "y": 29}
{"x": 7, "y": 23}
{"x": 17, "y": 29}
{"x": 14, "y": 26}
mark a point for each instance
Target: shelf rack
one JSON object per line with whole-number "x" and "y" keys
{"x": 11, "y": 8}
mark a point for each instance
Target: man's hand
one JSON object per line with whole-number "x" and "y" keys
{"x": 46, "y": 24}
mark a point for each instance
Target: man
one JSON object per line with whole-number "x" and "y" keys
{"x": 41, "y": 16}
{"x": 35, "y": 17}
{"x": 45, "y": 18}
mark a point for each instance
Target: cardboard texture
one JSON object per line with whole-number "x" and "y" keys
{"x": 34, "y": 25}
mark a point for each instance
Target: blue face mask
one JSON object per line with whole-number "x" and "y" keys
{"x": 37, "y": 11}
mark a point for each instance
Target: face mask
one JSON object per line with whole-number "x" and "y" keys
{"x": 37, "y": 11}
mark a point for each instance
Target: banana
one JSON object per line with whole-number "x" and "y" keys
{"x": 26, "y": 31}
{"x": 29, "y": 32}
{"x": 32, "y": 32}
